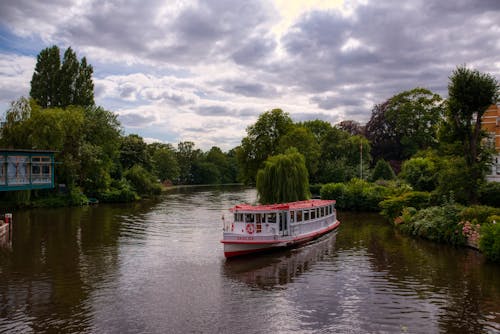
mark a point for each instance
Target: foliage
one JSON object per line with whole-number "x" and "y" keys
{"x": 133, "y": 151}
{"x": 304, "y": 141}
{"x": 453, "y": 178}
{"x": 470, "y": 94}
{"x": 284, "y": 178}
{"x": 479, "y": 213}
{"x": 119, "y": 192}
{"x": 205, "y": 172}
{"x": 404, "y": 124}
{"x": 355, "y": 195}
{"x": 436, "y": 223}
{"x": 143, "y": 182}
{"x": 489, "y": 194}
{"x": 382, "y": 171}
{"x": 261, "y": 142}
{"x": 165, "y": 163}
{"x": 352, "y": 127}
{"x": 56, "y": 84}
{"x": 393, "y": 206}
{"x": 420, "y": 173}
{"x": 489, "y": 243}
{"x": 77, "y": 197}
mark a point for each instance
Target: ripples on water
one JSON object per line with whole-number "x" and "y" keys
{"x": 158, "y": 267}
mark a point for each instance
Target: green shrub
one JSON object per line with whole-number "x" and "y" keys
{"x": 420, "y": 173}
{"x": 393, "y": 206}
{"x": 480, "y": 213}
{"x": 489, "y": 243}
{"x": 315, "y": 189}
{"x": 489, "y": 194}
{"x": 143, "y": 182}
{"x": 120, "y": 191}
{"x": 76, "y": 197}
{"x": 436, "y": 223}
{"x": 355, "y": 195}
{"x": 383, "y": 171}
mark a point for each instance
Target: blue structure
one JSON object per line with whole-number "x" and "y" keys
{"x": 26, "y": 169}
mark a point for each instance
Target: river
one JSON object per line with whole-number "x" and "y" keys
{"x": 158, "y": 267}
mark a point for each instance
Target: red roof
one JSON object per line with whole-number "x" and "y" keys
{"x": 312, "y": 203}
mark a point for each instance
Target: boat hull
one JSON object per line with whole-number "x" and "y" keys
{"x": 234, "y": 248}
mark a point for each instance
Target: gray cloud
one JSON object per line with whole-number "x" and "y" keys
{"x": 136, "y": 119}
{"x": 250, "y": 89}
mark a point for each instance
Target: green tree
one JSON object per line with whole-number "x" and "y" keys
{"x": 261, "y": 142}
{"x": 420, "y": 173}
{"x": 133, "y": 151}
{"x": 187, "y": 155}
{"x": 56, "y": 84}
{"x": 84, "y": 88}
{"x": 470, "y": 94}
{"x": 382, "y": 171}
{"x": 46, "y": 79}
{"x": 304, "y": 141}
{"x": 165, "y": 163}
{"x": 284, "y": 178}
{"x": 68, "y": 76}
{"x": 404, "y": 124}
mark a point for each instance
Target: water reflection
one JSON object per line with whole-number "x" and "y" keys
{"x": 276, "y": 269}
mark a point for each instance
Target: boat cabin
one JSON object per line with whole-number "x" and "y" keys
{"x": 26, "y": 169}
{"x": 281, "y": 219}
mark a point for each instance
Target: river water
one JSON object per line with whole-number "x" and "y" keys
{"x": 158, "y": 267}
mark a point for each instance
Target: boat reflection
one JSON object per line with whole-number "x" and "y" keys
{"x": 5, "y": 235}
{"x": 280, "y": 267}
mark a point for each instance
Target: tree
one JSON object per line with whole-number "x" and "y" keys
{"x": 352, "y": 127}
{"x": 261, "y": 142}
{"x": 165, "y": 163}
{"x": 382, "y": 171}
{"x": 133, "y": 151}
{"x": 46, "y": 80}
{"x": 470, "y": 94}
{"x": 304, "y": 141}
{"x": 284, "y": 178}
{"x": 420, "y": 173}
{"x": 187, "y": 155}
{"x": 404, "y": 124}
{"x": 56, "y": 84}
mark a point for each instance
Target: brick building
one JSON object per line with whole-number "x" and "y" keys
{"x": 491, "y": 124}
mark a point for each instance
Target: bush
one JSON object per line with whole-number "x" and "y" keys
{"x": 120, "y": 192}
{"x": 420, "y": 173}
{"x": 76, "y": 197}
{"x": 355, "y": 195}
{"x": 393, "y": 206}
{"x": 143, "y": 182}
{"x": 489, "y": 194}
{"x": 436, "y": 223}
{"x": 382, "y": 171}
{"x": 479, "y": 213}
{"x": 489, "y": 243}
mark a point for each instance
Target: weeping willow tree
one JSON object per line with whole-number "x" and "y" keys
{"x": 284, "y": 178}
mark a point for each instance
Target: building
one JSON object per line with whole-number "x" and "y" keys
{"x": 490, "y": 123}
{"x": 26, "y": 169}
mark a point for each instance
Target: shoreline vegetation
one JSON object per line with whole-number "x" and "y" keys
{"x": 420, "y": 160}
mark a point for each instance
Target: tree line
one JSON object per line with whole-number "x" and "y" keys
{"x": 436, "y": 144}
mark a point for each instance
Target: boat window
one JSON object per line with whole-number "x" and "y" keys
{"x": 322, "y": 211}
{"x": 250, "y": 218}
{"x": 306, "y": 215}
{"x": 271, "y": 218}
{"x": 317, "y": 212}
{"x": 238, "y": 217}
{"x": 292, "y": 216}
{"x": 313, "y": 214}
{"x": 299, "y": 216}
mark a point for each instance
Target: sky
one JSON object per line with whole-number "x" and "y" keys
{"x": 203, "y": 71}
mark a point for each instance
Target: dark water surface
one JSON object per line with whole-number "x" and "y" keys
{"x": 158, "y": 267}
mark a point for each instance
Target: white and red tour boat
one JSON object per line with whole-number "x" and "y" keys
{"x": 256, "y": 228}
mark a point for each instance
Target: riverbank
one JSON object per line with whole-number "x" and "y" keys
{"x": 423, "y": 214}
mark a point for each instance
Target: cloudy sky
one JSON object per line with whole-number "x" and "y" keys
{"x": 204, "y": 70}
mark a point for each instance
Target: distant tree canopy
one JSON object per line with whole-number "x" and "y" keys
{"x": 56, "y": 84}
{"x": 404, "y": 124}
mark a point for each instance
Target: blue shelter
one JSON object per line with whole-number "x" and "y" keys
{"x": 26, "y": 169}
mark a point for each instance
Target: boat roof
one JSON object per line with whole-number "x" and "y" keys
{"x": 312, "y": 203}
